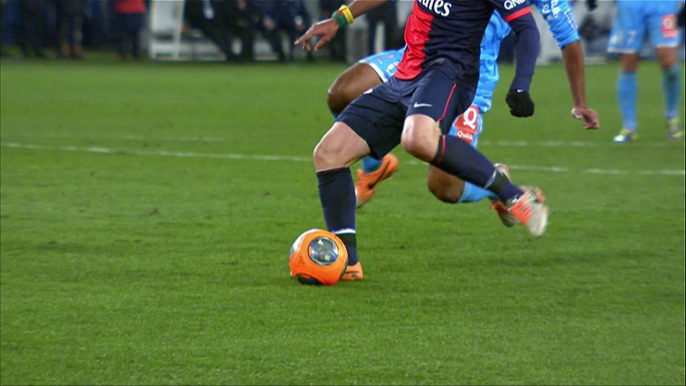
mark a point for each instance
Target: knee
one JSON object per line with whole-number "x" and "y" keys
{"x": 334, "y": 152}
{"x": 416, "y": 139}
{"x": 667, "y": 63}
{"x": 629, "y": 63}
{"x": 413, "y": 146}
{"x": 321, "y": 156}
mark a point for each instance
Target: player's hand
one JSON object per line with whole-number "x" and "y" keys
{"x": 588, "y": 115}
{"x": 520, "y": 103}
{"x": 591, "y": 4}
{"x": 325, "y": 30}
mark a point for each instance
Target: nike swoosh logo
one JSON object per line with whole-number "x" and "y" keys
{"x": 385, "y": 167}
{"x": 418, "y": 105}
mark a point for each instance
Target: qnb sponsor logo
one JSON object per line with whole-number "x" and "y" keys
{"x": 440, "y": 7}
{"x": 509, "y": 4}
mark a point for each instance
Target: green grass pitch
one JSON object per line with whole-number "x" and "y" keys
{"x": 148, "y": 210}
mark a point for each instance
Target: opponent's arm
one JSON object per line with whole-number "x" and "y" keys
{"x": 562, "y": 25}
{"x": 573, "y": 57}
{"x": 327, "y": 29}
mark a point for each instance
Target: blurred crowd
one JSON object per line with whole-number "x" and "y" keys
{"x": 40, "y": 27}
{"x": 222, "y": 19}
{"x": 66, "y": 26}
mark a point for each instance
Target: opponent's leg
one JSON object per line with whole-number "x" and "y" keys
{"x": 626, "y": 96}
{"x": 626, "y": 39}
{"x": 349, "y": 85}
{"x": 671, "y": 87}
{"x": 664, "y": 36}
{"x": 336, "y": 151}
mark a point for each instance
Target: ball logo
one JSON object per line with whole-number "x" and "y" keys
{"x": 323, "y": 251}
{"x": 440, "y": 7}
{"x": 510, "y": 4}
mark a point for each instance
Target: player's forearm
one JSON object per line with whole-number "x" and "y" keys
{"x": 526, "y": 51}
{"x": 360, "y": 7}
{"x": 573, "y": 57}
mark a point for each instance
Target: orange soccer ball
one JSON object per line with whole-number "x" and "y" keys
{"x": 318, "y": 257}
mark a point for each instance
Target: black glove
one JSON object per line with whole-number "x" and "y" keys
{"x": 591, "y": 4}
{"x": 681, "y": 17}
{"x": 520, "y": 103}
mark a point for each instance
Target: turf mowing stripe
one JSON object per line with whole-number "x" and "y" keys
{"x": 280, "y": 158}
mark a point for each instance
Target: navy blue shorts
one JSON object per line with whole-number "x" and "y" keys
{"x": 378, "y": 115}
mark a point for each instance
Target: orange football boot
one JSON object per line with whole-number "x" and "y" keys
{"x": 500, "y": 208}
{"x": 530, "y": 211}
{"x": 353, "y": 272}
{"x": 366, "y": 184}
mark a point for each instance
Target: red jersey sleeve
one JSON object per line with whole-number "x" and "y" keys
{"x": 511, "y": 9}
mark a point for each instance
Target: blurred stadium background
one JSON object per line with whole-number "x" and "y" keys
{"x": 148, "y": 206}
{"x": 218, "y": 29}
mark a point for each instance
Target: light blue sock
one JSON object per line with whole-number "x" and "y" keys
{"x": 626, "y": 95}
{"x": 473, "y": 193}
{"x": 671, "y": 86}
{"x": 370, "y": 164}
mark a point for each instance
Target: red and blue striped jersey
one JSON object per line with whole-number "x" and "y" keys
{"x": 452, "y": 29}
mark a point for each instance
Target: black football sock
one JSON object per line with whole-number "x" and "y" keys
{"x": 337, "y": 195}
{"x": 460, "y": 159}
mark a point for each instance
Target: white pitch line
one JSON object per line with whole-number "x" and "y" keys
{"x": 501, "y": 143}
{"x": 122, "y": 137}
{"x": 282, "y": 158}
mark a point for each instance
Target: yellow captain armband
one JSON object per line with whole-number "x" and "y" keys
{"x": 346, "y": 12}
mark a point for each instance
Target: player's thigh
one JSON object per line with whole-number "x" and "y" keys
{"x": 433, "y": 106}
{"x": 629, "y": 27}
{"x": 377, "y": 117}
{"x": 350, "y": 85}
{"x": 340, "y": 147}
{"x": 438, "y": 96}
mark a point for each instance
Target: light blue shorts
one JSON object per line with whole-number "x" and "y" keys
{"x": 385, "y": 63}
{"x": 635, "y": 18}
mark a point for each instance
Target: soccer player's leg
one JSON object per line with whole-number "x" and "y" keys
{"x": 437, "y": 100}
{"x": 664, "y": 35}
{"x": 334, "y": 154}
{"x": 451, "y": 189}
{"x": 349, "y": 85}
{"x": 369, "y": 125}
{"x": 626, "y": 40}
